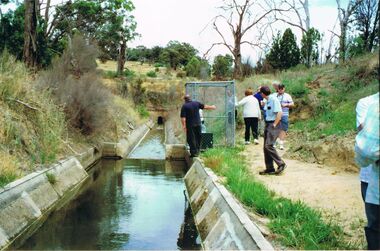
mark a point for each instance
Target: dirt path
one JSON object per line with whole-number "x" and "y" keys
{"x": 335, "y": 192}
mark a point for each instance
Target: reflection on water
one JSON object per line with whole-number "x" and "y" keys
{"x": 131, "y": 204}
{"x": 151, "y": 147}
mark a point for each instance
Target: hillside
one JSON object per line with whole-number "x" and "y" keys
{"x": 36, "y": 129}
{"x": 322, "y": 126}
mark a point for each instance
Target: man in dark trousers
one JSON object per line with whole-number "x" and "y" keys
{"x": 191, "y": 123}
{"x": 273, "y": 113}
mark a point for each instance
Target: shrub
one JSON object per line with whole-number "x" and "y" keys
{"x": 157, "y": 65}
{"x": 181, "y": 74}
{"x": 138, "y": 92}
{"x": 109, "y": 74}
{"x": 143, "y": 111}
{"x": 151, "y": 74}
{"x": 76, "y": 86}
{"x": 129, "y": 73}
{"x": 85, "y": 102}
{"x": 123, "y": 88}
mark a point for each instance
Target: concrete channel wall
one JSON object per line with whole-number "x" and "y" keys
{"x": 27, "y": 202}
{"x": 222, "y": 223}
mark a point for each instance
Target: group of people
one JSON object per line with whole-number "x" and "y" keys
{"x": 273, "y": 108}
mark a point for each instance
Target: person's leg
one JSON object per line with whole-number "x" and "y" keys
{"x": 267, "y": 157}
{"x": 246, "y": 135}
{"x": 190, "y": 136}
{"x": 269, "y": 145}
{"x": 197, "y": 136}
{"x": 372, "y": 230}
{"x": 255, "y": 124}
{"x": 284, "y": 128}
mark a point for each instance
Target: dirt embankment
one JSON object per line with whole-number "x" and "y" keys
{"x": 331, "y": 150}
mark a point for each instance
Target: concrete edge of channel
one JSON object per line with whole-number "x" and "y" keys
{"x": 27, "y": 202}
{"x": 221, "y": 221}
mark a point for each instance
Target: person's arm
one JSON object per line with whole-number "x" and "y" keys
{"x": 183, "y": 120}
{"x": 209, "y": 107}
{"x": 277, "y": 109}
{"x": 278, "y": 119}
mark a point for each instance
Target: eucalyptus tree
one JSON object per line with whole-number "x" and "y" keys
{"x": 238, "y": 18}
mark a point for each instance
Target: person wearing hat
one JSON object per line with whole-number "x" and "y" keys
{"x": 191, "y": 123}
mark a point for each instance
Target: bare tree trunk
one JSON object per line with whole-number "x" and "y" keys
{"x": 342, "y": 42}
{"x": 375, "y": 29}
{"x": 305, "y": 6}
{"x": 47, "y": 16}
{"x": 30, "y": 33}
{"x": 121, "y": 58}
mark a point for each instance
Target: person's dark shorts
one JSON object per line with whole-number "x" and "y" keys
{"x": 284, "y": 123}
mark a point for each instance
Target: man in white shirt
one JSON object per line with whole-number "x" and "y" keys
{"x": 286, "y": 102}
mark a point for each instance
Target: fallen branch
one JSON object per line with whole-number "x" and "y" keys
{"x": 25, "y": 104}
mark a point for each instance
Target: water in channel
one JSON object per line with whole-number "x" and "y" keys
{"x": 127, "y": 204}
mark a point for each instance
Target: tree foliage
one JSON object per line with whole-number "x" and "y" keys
{"x": 197, "y": 68}
{"x": 177, "y": 54}
{"x": 284, "y": 52}
{"x": 108, "y": 23}
{"x": 309, "y": 46}
{"x": 367, "y": 22}
{"x": 222, "y": 67}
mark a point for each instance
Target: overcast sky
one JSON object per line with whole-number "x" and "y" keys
{"x": 158, "y": 22}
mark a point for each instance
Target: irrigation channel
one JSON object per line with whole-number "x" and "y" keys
{"x": 136, "y": 203}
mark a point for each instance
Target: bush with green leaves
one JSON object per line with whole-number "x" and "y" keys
{"x": 222, "y": 67}
{"x": 151, "y": 74}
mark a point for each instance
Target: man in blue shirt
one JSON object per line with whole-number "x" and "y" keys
{"x": 191, "y": 123}
{"x": 273, "y": 113}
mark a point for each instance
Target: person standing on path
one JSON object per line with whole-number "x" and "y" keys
{"x": 251, "y": 114}
{"x": 191, "y": 123}
{"x": 259, "y": 98}
{"x": 286, "y": 102}
{"x": 273, "y": 113}
{"x": 367, "y": 155}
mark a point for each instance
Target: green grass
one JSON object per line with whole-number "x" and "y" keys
{"x": 296, "y": 225}
{"x": 6, "y": 178}
{"x": 51, "y": 178}
{"x": 144, "y": 113}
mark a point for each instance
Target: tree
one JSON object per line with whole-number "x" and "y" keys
{"x": 198, "y": 68}
{"x": 108, "y": 22}
{"x": 222, "y": 67}
{"x": 177, "y": 54}
{"x": 273, "y": 57}
{"x": 32, "y": 13}
{"x": 345, "y": 18}
{"x": 309, "y": 46}
{"x": 241, "y": 18}
{"x": 290, "y": 53}
{"x": 367, "y": 22}
{"x": 284, "y": 52}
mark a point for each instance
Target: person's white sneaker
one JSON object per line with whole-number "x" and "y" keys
{"x": 282, "y": 147}
{"x": 256, "y": 141}
{"x": 247, "y": 143}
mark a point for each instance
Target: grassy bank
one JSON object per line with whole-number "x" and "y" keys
{"x": 325, "y": 96}
{"x": 296, "y": 225}
{"x": 51, "y": 115}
